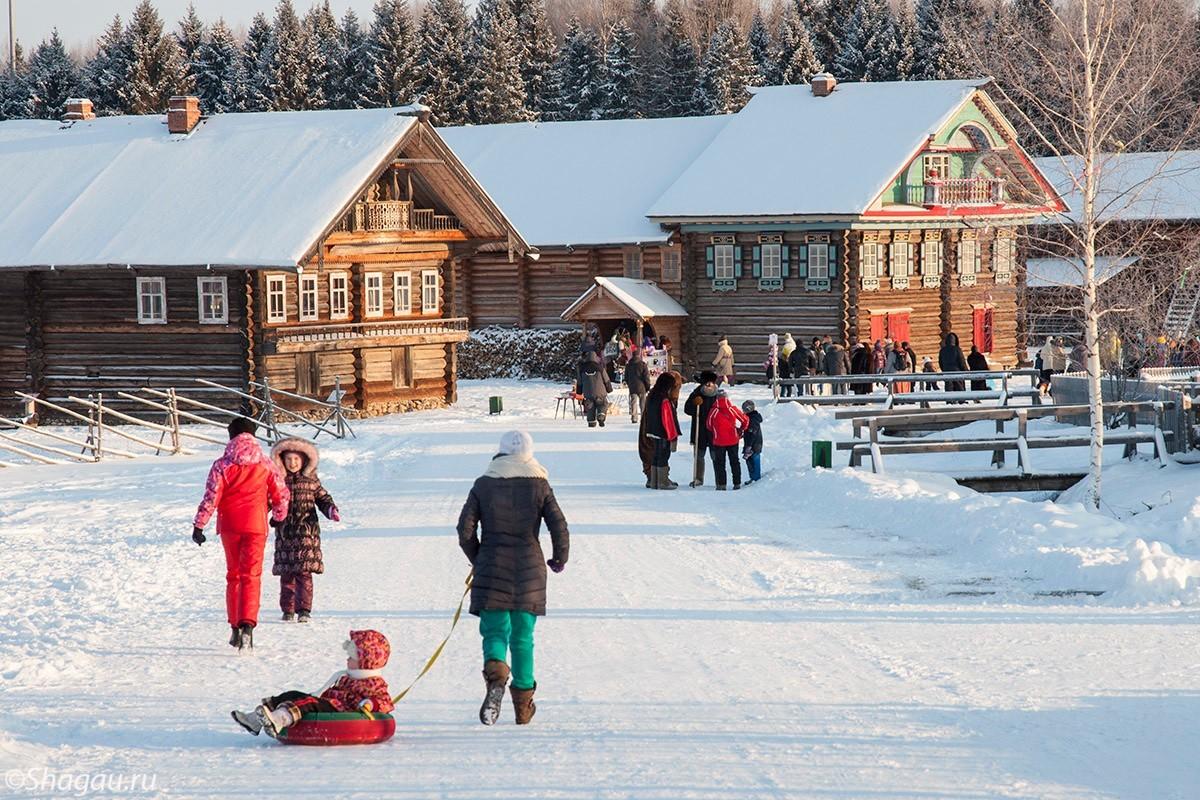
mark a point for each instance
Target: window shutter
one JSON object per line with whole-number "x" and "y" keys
{"x": 977, "y": 320}
{"x": 802, "y": 261}
{"x": 877, "y": 321}
{"x": 739, "y": 253}
{"x": 756, "y": 253}
{"x": 708, "y": 261}
{"x": 785, "y": 253}
{"x": 898, "y": 327}
{"x": 833, "y": 261}
{"x": 978, "y": 258}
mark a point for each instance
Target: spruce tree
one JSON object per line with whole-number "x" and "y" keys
{"x": 538, "y": 54}
{"x": 940, "y": 55}
{"x": 14, "y": 93}
{"x": 906, "y": 44}
{"x": 105, "y": 74}
{"x": 580, "y": 72}
{"x": 829, "y": 31}
{"x": 50, "y": 79}
{"x": 189, "y": 38}
{"x": 760, "y": 50}
{"x": 354, "y": 73}
{"x": 795, "y": 59}
{"x": 497, "y": 88}
{"x": 648, "y": 54}
{"x": 393, "y": 48}
{"x": 619, "y": 77}
{"x": 725, "y": 73}
{"x": 868, "y": 52}
{"x": 287, "y": 62}
{"x": 442, "y": 61}
{"x": 678, "y": 77}
{"x": 220, "y": 80}
{"x": 324, "y": 54}
{"x": 155, "y": 64}
{"x": 256, "y": 54}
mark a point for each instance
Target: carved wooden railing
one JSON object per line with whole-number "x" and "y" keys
{"x": 364, "y": 330}
{"x": 395, "y": 215}
{"x": 963, "y": 192}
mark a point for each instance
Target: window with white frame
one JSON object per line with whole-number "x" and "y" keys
{"x": 723, "y": 262}
{"x": 402, "y": 293}
{"x": 818, "y": 260}
{"x": 931, "y": 257}
{"x": 339, "y": 295}
{"x": 868, "y": 260}
{"x": 633, "y": 264}
{"x": 309, "y": 308}
{"x": 276, "y": 298}
{"x": 152, "y": 301}
{"x": 772, "y": 261}
{"x": 672, "y": 271}
{"x": 429, "y": 291}
{"x": 968, "y": 256}
{"x": 213, "y": 294}
{"x": 373, "y": 294}
{"x": 936, "y": 167}
{"x": 1004, "y": 259}
{"x": 901, "y": 257}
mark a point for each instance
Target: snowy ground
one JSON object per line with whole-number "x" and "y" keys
{"x": 824, "y": 634}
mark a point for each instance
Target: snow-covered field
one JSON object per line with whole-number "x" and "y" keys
{"x": 824, "y": 634}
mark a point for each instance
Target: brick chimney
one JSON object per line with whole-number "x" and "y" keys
{"x": 183, "y": 115}
{"x": 78, "y": 108}
{"x": 823, "y": 84}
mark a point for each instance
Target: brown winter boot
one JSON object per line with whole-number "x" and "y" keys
{"x": 523, "y": 704}
{"x": 496, "y": 675}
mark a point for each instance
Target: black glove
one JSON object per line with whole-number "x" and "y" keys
{"x": 198, "y": 536}
{"x": 556, "y": 565}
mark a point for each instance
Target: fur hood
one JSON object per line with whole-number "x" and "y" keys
{"x": 306, "y": 449}
{"x": 515, "y": 467}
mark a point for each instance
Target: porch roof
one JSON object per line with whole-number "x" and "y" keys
{"x": 632, "y": 299}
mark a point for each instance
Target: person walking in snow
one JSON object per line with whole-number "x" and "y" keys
{"x": 359, "y": 687}
{"x": 726, "y": 425}
{"x": 837, "y": 362}
{"x": 723, "y": 363}
{"x": 298, "y": 537}
{"x": 752, "y": 442}
{"x": 698, "y": 406}
{"x": 661, "y": 428}
{"x": 509, "y": 502}
{"x": 977, "y": 362}
{"x": 592, "y": 382}
{"x": 637, "y": 378}
{"x": 951, "y": 359}
{"x": 242, "y": 486}
{"x": 785, "y": 364}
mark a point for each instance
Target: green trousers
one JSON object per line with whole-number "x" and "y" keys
{"x": 503, "y": 631}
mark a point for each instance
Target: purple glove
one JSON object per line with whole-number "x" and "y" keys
{"x": 556, "y": 565}
{"x": 334, "y": 515}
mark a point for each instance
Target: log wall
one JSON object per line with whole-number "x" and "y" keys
{"x": 14, "y": 340}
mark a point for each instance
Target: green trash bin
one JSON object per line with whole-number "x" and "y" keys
{"x": 495, "y": 405}
{"x": 822, "y": 454}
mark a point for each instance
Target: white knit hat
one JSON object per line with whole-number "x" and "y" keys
{"x": 516, "y": 443}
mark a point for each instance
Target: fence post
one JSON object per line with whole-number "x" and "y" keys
{"x": 337, "y": 407}
{"x": 268, "y": 414}
{"x": 91, "y": 434}
{"x": 174, "y": 422}
{"x": 99, "y": 426}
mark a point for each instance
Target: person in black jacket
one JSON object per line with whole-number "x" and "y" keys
{"x": 661, "y": 427}
{"x": 637, "y": 378}
{"x": 592, "y": 382}
{"x": 698, "y": 404}
{"x": 951, "y": 359}
{"x": 752, "y": 442}
{"x": 977, "y": 363}
{"x": 860, "y": 364}
{"x": 802, "y": 365}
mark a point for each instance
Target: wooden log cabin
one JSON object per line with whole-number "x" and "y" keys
{"x": 306, "y": 248}
{"x": 861, "y": 211}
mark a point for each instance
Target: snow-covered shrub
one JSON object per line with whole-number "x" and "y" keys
{"x": 519, "y": 353}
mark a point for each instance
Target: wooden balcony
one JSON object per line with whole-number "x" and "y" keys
{"x": 963, "y": 192}
{"x": 395, "y": 215}
{"x": 351, "y": 335}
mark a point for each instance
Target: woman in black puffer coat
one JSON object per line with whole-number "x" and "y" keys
{"x": 510, "y": 501}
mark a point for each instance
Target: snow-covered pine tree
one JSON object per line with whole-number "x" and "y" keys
{"x": 324, "y": 54}
{"x": 442, "y": 61}
{"x": 51, "y": 78}
{"x": 189, "y": 38}
{"x": 580, "y": 72}
{"x": 677, "y": 76}
{"x": 287, "y": 60}
{"x": 155, "y": 63}
{"x": 829, "y": 29}
{"x": 905, "y": 31}
{"x": 538, "y": 54}
{"x": 256, "y": 53}
{"x": 393, "y": 48}
{"x": 105, "y": 74}
{"x": 647, "y": 53}
{"x": 220, "y": 80}
{"x": 620, "y": 79}
{"x": 497, "y": 88}
{"x": 725, "y": 73}
{"x": 354, "y": 74}
{"x": 939, "y": 55}
{"x": 868, "y": 52}
{"x": 760, "y": 50}
{"x": 14, "y": 94}
{"x": 795, "y": 60}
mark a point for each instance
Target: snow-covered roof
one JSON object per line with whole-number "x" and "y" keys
{"x": 247, "y": 190}
{"x": 1052, "y": 272}
{"x": 1133, "y": 186}
{"x": 643, "y": 298}
{"x": 789, "y": 152}
{"x": 582, "y": 183}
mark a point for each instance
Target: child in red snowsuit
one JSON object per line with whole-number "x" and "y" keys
{"x": 726, "y": 425}
{"x": 359, "y": 687}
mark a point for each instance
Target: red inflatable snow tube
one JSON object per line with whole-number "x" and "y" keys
{"x": 325, "y": 730}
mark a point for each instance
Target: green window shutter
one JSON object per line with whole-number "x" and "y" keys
{"x": 785, "y": 253}
{"x": 708, "y": 261}
{"x": 833, "y": 260}
{"x": 802, "y": 262}
{"x": 757, "y": 260}
{"x": 739, "y": 253}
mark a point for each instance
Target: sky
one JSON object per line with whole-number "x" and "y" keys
{"x": 80, "y": 22}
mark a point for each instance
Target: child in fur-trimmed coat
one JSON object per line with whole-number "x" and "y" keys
{"x": 298, "y": 537}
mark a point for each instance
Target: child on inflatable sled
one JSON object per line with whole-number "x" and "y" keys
{"x": 359, "y": 687}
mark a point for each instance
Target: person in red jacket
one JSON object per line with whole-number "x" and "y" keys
{"x": 359, "y": 687}
{"x": 726, "y": 425}
{"x": 241, "y": 485}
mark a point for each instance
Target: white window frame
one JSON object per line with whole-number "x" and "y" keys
{"x": 673, "y": 274}
{"x": 966, "y": 265}
{"x": 429, "y": 304}
{"x": 373, "y": 294}
{"x": 900, "y": 259}
{"x": 633, "y": 264}
{"x": 1004, "y": 255}
{"x": 931, "y": 257}
{"x": 222, "y": 293}
{"x": 818, "y": 261}
{"x": 148, "y": 288}
{"x": 276, "y": 291}
{"x": 868, "y": 260}
{"x": 942, "y": 162}
{"x": 339, "y": 290}
{"x": 724, "y": 266}
{"x": 309, "y": 290}
{"x": 771, "y": 261}
{"x": 402, "y": 293}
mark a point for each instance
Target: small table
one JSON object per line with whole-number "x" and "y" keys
{"x": 567, "y": 400}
